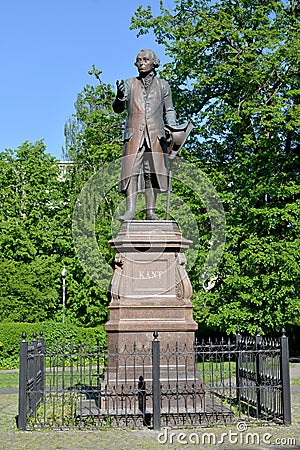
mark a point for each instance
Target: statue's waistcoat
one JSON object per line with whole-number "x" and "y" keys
{"x": 145, "y": 114}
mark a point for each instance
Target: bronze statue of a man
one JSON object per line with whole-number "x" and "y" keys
{"x": 148, "y": 101}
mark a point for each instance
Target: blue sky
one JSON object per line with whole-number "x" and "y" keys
{"x": 47, "y": 49}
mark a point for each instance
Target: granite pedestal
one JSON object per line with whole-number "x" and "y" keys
{"x": 150, "y": 291}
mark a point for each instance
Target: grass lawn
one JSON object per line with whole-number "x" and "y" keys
{"x": 9, "y": 380}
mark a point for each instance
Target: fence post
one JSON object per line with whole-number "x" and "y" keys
{"x": 35, "y": 368}
{"x": 156, "y": 381}
{"x": 238, "y": 339}
{"x": 258, "y": 363}
{"x": 22, "y": 408}
{"x": 42, "y": 364}
{"x": 285, "y": 377}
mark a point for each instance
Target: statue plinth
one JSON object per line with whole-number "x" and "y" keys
{"x": 150, "y": 288}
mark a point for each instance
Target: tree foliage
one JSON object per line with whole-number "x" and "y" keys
{"x": 32, "y": 235}
{"x": 37, "y": 205}
{"x": 94, "y": 133}
{"x": 234, "y": 69}
{"x": 93, "y": 140}
{"x": 36, "y": 242}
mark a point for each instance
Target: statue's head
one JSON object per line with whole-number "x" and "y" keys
{"x": 146, "y": 60}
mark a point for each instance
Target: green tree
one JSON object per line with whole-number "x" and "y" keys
{"x": 94, "y": 133}
{"x": 234, "y": 69}
{"x": 37, "y": 205}
{"x": 32, "y": 235}
{"x": 93, "y": 139}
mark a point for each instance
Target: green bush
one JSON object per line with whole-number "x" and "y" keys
{"x": 53, "y": 333}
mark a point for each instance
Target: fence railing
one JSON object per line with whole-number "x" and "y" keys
{"x": 215, "y": 382}
{"x": 263, "y": 380}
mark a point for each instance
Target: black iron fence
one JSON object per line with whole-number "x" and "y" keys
{"x": 263, "y": 380}
{"x": 215, "y": 382}
{"x": 31, "y": 378}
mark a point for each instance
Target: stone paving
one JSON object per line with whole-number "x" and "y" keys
{"x": 226, "y": 438}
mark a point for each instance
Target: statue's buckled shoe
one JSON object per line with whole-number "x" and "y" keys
{"x": 129, "y": 215}
{"x": 152, "y": 216}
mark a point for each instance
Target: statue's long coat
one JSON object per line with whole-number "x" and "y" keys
{"x": 147, "y": 113}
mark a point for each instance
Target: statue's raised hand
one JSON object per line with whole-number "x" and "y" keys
{"x": 120, "y": 89}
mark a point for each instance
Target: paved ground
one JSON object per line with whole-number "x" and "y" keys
{"x": 228, "y": 438}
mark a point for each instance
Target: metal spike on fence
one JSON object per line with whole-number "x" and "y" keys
{"x": 238, "y": 337}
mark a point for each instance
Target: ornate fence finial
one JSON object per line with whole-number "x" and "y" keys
{"x": 155, "y": 335}
{"x": 238, "y": 337}
{"x": 258, "y": 338}
{"x": 283, "y": 331}
{"x": 24, "y": 336}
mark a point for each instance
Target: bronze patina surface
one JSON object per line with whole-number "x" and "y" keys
{"x": 148, "y": 102}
